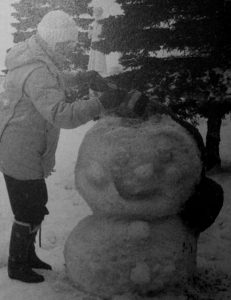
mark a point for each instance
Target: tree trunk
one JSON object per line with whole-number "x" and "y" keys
{"x": 213, "y": 141}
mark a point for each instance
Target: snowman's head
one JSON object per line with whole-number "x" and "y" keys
{"x": 142, "y": 168}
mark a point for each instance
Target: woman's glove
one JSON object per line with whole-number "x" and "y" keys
{"x": 88, "y": 75}
{"x": 112, "y": 98}
{"x": 90, "y": 78}
{"x": 98, "y": 85}
{"x": 95, "y": 81}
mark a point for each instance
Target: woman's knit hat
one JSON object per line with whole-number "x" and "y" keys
{"x": 57, "y": 26}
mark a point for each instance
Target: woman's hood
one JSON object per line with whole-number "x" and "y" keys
{"x": 27, "y": 52}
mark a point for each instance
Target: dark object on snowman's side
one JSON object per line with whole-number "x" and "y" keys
{"x": 203, "y": 207}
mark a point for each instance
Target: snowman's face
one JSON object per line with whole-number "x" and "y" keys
{"x": 139, "y": 164}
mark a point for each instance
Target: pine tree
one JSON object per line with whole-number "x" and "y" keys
{"x": 179, "y": 52}
{"x": 28, "y": 14}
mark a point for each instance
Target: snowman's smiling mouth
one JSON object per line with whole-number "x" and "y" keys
{"x": 134, "y": 194}
{"x": 136, "y": 184}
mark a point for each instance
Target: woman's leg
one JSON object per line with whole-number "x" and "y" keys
{"x": 28, "y": 200}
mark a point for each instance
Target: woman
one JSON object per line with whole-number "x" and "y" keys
{"x": 32, "y": 111}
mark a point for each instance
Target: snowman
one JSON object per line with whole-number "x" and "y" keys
{"x": 136, "y": 175}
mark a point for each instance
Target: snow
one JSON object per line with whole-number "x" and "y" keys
{"x": 67, "y": 208}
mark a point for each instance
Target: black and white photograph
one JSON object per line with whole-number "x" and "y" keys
{"x": 115, "y": 149}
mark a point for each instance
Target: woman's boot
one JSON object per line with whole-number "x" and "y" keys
{"x": 18, "y": 267}
{"x": 33, "y": 260}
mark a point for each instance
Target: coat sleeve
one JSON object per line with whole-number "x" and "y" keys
{"x": 43, "y": 88}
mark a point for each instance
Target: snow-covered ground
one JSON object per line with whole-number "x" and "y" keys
{"x": 67, "y": 208}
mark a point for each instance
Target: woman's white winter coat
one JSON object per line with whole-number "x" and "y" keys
{"x": 33, "y": 108}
